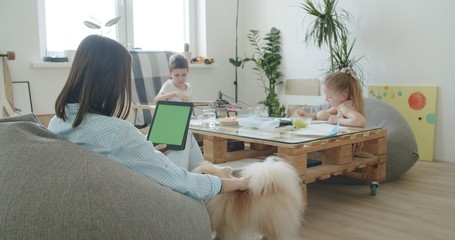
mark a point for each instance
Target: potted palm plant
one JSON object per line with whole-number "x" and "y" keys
{"x": 328, "y": 26}
{"x": 267, "y": 59}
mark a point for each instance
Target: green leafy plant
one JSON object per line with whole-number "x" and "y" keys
{"x": 328, "y": 26}
{"x": 96, "y": 24}
{"x": 267, "y": 59}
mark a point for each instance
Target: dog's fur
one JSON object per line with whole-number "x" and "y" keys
{"x": 272, "y": 206}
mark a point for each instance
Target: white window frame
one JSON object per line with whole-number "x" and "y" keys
{"x": 125, "y": 29}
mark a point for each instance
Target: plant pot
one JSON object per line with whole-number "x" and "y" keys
{"x": 187, "y": 55}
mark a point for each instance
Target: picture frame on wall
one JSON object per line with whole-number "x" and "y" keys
{"x": 22, "y": 97}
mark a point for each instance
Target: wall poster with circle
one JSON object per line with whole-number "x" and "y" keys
{"x": 417, "y": 104}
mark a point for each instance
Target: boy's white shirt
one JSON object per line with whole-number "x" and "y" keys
{"x": 169, "y": 87}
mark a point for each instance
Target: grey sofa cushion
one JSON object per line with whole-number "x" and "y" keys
{"x": 51, "y": 188}
{"x": 402, "y": 151}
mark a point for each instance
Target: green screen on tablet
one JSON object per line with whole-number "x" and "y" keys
{"x": 170, "y": 124}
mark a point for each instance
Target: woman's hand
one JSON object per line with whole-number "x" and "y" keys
{"x": 162, "y": 148}
{"x": 234, "y": 184}
{"x": 244, "y": 183}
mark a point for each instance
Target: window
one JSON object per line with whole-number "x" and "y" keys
{"x": 161, "y": 25}
{"x": 144, "y": 24}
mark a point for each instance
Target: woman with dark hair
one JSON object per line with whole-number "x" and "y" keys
{"x": 90, "y": 111}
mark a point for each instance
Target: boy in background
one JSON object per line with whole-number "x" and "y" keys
{"x": 176, "y": 88}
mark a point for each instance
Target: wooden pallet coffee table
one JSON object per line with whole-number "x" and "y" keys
{"x": 335, "y": 151}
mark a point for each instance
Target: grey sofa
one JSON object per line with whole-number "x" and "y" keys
{"x": 51, "y": 188}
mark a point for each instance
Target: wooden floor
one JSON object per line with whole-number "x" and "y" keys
{"x": 420, "y": 205}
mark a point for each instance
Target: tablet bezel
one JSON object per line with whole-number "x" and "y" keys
{"x": 171, "y": 146}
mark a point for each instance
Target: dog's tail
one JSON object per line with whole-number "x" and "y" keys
{"x": 273, "y": 175}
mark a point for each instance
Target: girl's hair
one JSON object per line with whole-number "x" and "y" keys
{"x": 177, "y": 61}
{"x": 344, "y": 81}
{"x": 99, "y": 80}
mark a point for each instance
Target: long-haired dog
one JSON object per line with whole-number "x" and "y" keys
{"x": 272, "y": 206}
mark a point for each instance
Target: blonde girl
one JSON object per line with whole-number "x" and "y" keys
{"x": 344, "y": 94}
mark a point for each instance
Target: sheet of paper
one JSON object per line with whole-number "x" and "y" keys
{"x": 196, "y": 122}
{"x": 321, "y": 129}
{"x": 318, "y": 121}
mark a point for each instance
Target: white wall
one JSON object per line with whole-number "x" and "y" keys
{"x": 220, "y": 45}
{"x": 405, "y": 42}
{"x": 19, "y": 33}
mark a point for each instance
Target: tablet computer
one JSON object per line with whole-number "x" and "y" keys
{"x": 170, "y": 124}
